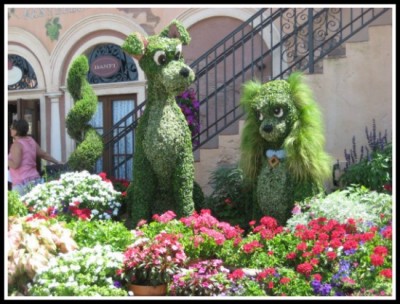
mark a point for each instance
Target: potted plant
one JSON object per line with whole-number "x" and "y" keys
{"x": 152, "y": 263}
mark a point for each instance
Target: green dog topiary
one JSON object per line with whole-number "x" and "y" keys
{"x": 90, "y": 143}
{"x": 282, "y": 145}
{"x": 163, "y": 163}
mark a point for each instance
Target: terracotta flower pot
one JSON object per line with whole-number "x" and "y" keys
{"x": 144, "y": 290}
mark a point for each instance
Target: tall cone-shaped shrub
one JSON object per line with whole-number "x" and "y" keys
{"x": 89, "y": 142}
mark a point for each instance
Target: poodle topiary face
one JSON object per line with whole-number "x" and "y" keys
{"x": 275, "y": 112}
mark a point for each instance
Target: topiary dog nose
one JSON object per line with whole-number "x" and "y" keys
{"x": 268, "y": 128}
{"x": 184, "y": 72}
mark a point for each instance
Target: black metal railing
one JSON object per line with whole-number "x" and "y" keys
{"x": 270, "y": 45}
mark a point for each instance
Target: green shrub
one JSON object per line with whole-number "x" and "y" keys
{"x": 15, "y": 206}
{"x": 373, "y": 173}
{"x": 372, "y": 167}
{"x": 231, "y": 198}
{"x": 89, "y": 142}
{"x": 90, "y": 233}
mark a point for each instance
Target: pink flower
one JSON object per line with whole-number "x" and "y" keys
{"x": 296, "y": 209}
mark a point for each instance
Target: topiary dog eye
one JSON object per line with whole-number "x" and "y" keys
{"x": 278, "y": 112}
{"x": 259, "y": 115}
{"x": 160, "y": 58}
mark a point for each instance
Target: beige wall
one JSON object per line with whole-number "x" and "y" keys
{"x": 352, "y": 91}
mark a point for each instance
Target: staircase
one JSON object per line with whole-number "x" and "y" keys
{"x": 269, "y": 45}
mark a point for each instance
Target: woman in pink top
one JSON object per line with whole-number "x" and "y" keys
{"x": 22, "y": 158}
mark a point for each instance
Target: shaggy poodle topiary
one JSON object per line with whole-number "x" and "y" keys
{"x": 163, "y": 162}
{"x": 282, "y": 145}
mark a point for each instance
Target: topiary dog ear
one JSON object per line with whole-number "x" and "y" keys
{"x": 250, "y": 90}
{"x": 176, "y": 30}
{"x": 135, "y": 44}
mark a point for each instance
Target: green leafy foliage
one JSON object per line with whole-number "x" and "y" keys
{"x": 231, "y": 198}
{"x": 15, "y": 206}
{"x": 91, "y": 233}
{"x": 373, "y": 173}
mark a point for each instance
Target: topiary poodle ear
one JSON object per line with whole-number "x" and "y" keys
{"x": 176, "y": 30}
{"x": 304, "y": 146}
{"x": 251, "y": 143}
{"x": 250, "y": 90}
{"x": 135, "y": 44}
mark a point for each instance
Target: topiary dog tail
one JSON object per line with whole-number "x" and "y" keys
{"x": 304, "y": 146}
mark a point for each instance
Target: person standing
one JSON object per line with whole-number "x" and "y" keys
{"x": 22, "y": 158}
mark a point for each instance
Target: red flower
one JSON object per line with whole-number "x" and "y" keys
{"x": 284, "y": 280}
{"x": 317, "y": 249}
{"x": 269, "y": 222}
{"x": 387, "y": 232}
{"x": 381, "y": 250}
{"x": 388, "y": 187}
{"x": 387, "y": 273}
{"x": 291, "y": 255}
{"x": 350, "y": 244}
{"x": 250, "y": 247}
{"x": 236, "y": 274}
{"x": 317, "y": 277}
{"x": 83, "y": 214}
{"x": 304, "y": 268}
{"x": 331, "y": 255}
{"x": 302, "y": 246}
{"x": 377, "y": 260}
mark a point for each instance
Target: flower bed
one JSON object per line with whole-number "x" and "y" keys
{"x": 319, "y": 253}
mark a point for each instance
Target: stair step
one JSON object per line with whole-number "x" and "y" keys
{"x": 213, "y": 143}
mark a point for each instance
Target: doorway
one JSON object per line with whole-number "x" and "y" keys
{"x": 116, "y": 160}
{"x": 28, "y": 109}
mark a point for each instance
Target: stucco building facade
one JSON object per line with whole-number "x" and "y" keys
{"x": 43, "y": 41}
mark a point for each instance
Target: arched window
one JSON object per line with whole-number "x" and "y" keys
{"x": 20, "y": 74}
{"x": 108, "y": 63}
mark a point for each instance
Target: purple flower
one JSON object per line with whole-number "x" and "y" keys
{"x": 117, "y": 284}
{"x": 325, "y": 289}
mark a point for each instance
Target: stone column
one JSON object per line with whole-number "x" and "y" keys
{"x": 55, "y": 127}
